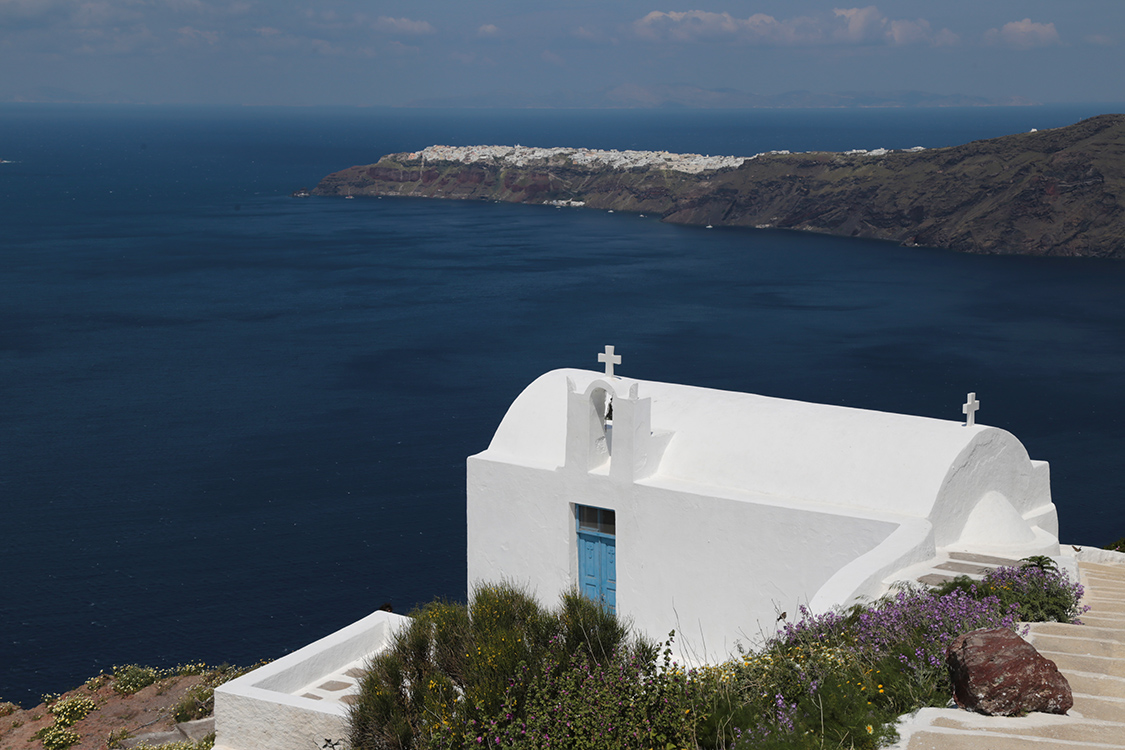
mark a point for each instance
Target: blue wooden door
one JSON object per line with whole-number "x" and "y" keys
{"x": 597, "y": 555}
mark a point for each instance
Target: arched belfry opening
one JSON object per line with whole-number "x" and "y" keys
{"x": 608, "y": 430}
{"x": 601, "y": 401}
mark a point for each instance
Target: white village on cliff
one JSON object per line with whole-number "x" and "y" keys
{"x": 709, "y": 512}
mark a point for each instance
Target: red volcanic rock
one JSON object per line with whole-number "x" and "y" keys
{"x": 998, "y": 673}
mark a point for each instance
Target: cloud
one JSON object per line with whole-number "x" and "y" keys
{"x": 402, "y": 26}
{"x": 190, "y": 34}
{"x": 1101, "y": 39}
{"x": 1024, "y": 34}
{"x": 488, "y": 30}
{"x": 861, "y": 25}
{"x": 551, "y": 57}
{"x": 398, "y": 49}
{"x": 845, "y": 26}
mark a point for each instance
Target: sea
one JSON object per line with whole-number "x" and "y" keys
{"x": 233, "y": 421}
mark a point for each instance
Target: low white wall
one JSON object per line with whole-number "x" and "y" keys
{"x": 258, "y": 711}
{"x": 1097, "y": 555}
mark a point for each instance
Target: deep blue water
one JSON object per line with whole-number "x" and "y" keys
{"x": 232, "y": 421}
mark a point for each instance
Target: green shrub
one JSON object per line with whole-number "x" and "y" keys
{"x": 57, "y": 737}
{"x": 206, "y": 743}
{"x": 1118, "y": 546}
{"x": 197, "y": 703}
{"x": 95, "y": 684}
{"x": 69, "y": 710}
{"x": 454, "y": 666}
{"x": 117, "y": 738}
{"x": 132, "y": 678}
{"x": 622, "y": 701}
{"x": 7, "y": 709}
{"x": 199, "y": 700}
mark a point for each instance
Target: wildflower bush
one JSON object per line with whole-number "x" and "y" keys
{"x": 131, "y": 678}
{"x": 56, "y": 737}
{"x": 199, "y": 701}
{"x": 205, "y": 743}
{"x": 840, "y": 679}
{"x": 503, "y": 672}
{"x": 69, "y": 710}
{"x": 96, "y": 683}
{"x": 1036, "y": 589}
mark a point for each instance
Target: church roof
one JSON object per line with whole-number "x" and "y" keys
{"x": 879, "y": 461}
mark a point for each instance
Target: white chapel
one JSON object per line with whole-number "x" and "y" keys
{"x": 713, "y": 512}
{"x": 704, "y": 511}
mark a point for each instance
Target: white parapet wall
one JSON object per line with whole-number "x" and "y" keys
{"x": 300, "y": 701}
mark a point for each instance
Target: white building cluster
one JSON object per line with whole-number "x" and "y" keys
{"x": 523, "y": 156}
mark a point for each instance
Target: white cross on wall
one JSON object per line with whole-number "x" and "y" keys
{"x": 610, "y": 360}
{"x": 970, "y": 409}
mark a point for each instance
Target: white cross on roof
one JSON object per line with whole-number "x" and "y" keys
{"x": 610, "y": 360}
{"x": 970, "y": 409}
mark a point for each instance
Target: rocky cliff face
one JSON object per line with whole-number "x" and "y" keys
{"x": 1056, "y": 192}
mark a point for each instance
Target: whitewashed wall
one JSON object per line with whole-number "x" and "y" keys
{"x": 735, "y": 507}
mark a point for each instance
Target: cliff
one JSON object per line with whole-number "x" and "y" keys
{"x": 1057, "y": 192}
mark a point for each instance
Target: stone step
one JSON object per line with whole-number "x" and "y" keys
{"x": 987, "y": 559}
{"x": 1092, "y": 658}
{"x": 955, "y": 739}
{"x": 1103, "y": 590}
{"x": 1080, "y": 631}
{"x": 1107, "y": 569}
{"x": 1093, "y": 683}
{"x": 1077, "y": 646}
{"x": 1103, "y": 621}
{"x": 1105, "y": 608}
{"x": 1108, "y": 606}
{"x": 1082, "y": 663}
{"x": 1098, "y": 707}
{"x": 1067, "y": 729}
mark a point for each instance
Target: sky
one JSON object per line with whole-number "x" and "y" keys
{"x": 393, "y": 52}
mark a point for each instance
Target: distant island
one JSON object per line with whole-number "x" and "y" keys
{"x": 1058, "y": 192}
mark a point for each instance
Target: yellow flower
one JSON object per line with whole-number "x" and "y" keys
{"x": 870, "y": 729}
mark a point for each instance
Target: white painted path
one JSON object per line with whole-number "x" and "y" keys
{"x": 1091, "y": 657}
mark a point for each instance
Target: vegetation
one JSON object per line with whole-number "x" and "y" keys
{"x": 206, "y": 743}
{"x": 131, "y": 678}
{"x": 196, "y": 703}
{"x": 504, "y": 672}
{"x": 1118, "y": 546}
{"x": 455, "y": 668}
{"x": 199, "y": 701}
{"x": 69, "y": 710}
{"x": 1040, "y": 591}
{"x": 56, "y": 737}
